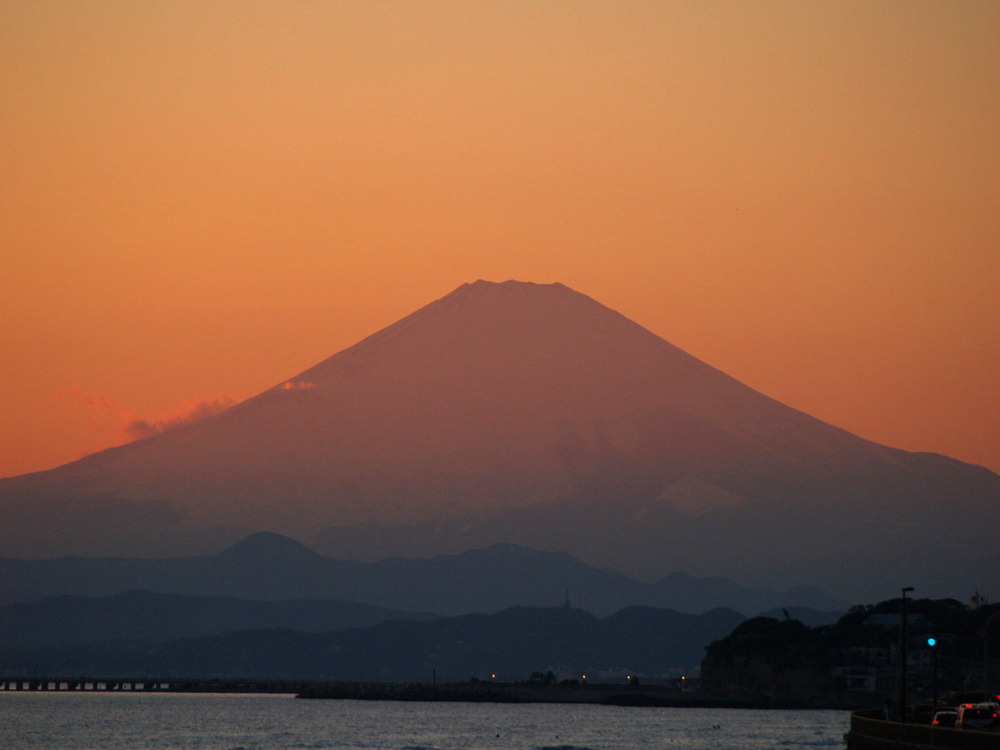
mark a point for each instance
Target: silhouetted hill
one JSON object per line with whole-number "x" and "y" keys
{"x": 853, "y": 662}
{"x": 269, "y": 566}
{"x": 144, "y": 615}
{"x": 528, "y": 414}
{"x": 512, "y": 644}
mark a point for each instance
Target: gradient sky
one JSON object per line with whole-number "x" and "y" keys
{"x": 200, "y": 199}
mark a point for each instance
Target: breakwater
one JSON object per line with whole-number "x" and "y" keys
{"x": 459, "y": 692}
{"x": 149, "y": 685}
{"x": 522, "y": 692}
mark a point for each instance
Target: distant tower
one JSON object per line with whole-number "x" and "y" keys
{"x": 566, "y": 604}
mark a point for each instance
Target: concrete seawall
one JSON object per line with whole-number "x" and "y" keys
{"x": 869, "y": 731}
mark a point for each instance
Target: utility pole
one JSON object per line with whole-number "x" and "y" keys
{"x": 901, "y": 686}
{"x": 986, "y": 639}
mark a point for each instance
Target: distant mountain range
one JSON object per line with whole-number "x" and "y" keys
{"x": 512, "y": 644}
{"x": 146, "y": 616}
{"x": 528, "y": 414}
{"x": 268, "y": 566}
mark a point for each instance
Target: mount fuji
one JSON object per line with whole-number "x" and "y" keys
{"x": 529, "y": 414}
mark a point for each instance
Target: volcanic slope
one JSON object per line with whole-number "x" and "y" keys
{"x": 522, "y": 413}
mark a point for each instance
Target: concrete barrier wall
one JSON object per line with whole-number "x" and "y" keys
{"x": 869, "y": 731}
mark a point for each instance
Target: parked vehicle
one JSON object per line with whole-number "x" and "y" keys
{"x": 976, "y": 716}
{"x": 945, "y": 718}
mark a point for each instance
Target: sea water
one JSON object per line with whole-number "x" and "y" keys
{"x": 176, "y": 721}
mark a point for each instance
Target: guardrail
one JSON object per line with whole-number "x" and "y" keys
{"x": 869, "y": 731}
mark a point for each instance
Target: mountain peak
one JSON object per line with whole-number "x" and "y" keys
{"x": 516, "y": 299}
{"x": 484, "y": 286}
{"x": 267, "y": 546}
{"x": 525, "y": 413}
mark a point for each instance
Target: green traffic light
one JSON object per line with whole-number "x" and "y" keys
{"x": 932, "y": 642}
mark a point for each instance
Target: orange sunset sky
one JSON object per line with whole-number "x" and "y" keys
{"x": 200, "y": 199}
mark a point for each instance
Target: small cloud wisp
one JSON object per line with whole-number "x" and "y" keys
{"x": 137, "y": 429}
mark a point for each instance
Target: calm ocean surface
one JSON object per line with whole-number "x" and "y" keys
{"x": 62, "y": 721}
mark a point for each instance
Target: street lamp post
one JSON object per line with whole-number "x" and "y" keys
{"x": 985, "y": 632}
{"x": 986, "y": 640}
{"x": 932, "y": 642}
{"x": 901, "y": 687}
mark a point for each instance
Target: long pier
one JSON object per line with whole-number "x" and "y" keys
{"x": 149, "y": 685}
{"x": 476, "y": 691}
